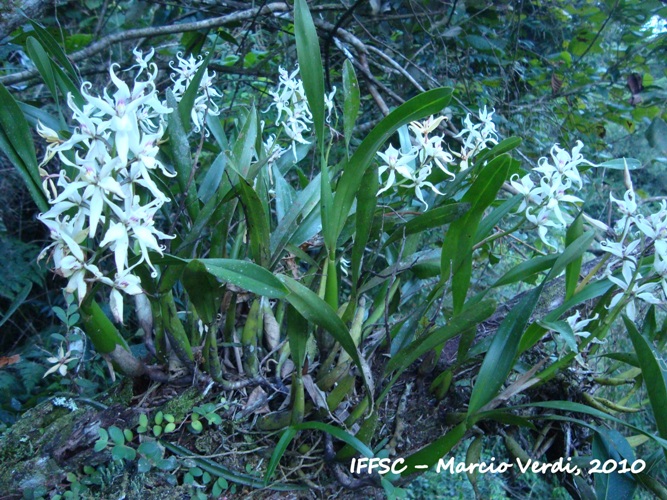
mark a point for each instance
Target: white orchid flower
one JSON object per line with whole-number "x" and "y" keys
{"x": 394, "y": 161}
{"x": 59, "y": 362}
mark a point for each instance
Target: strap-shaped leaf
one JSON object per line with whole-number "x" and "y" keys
{"x": 456, "y": 255}
{"x": 244, "y": 146}
{"x": 435, "y": 217}
{"x": 366, "y": 203}
{"x": 215, "y": 469}
{"x": 351, "y": 100}
{"x": 611, "y": 445}
{"x": 469, "y": 318}
{"x": 42, "y": 62}
{"x": 317, "y": 311}
{"x": 290, "y": 432}
{"x": 16, "y": 142}
{"x": 573, "y": 269}
{"x": 571, "y": 407}
{"x": 421, "y": 106}
{"x": 182, "y": 157}
{"x": 258, "y": 223}
{"x": 504, "y": 347}
{"x": 432, "y": 453}
{"x": 187, "y": 101}
{"x": 246, "y": 275}
{"x": 306, "y": 202}
{"x": 53, "y": 48}
{"x": 203, "y": 288}
{"x": 655, "y": 376}
{"x": 310, "y": 65}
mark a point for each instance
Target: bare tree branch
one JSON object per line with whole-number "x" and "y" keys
{"x": 99, "y": 46}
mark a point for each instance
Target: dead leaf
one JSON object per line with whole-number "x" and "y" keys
{"x": 316, "y": 394}
{"x": 257, "y": 402}
{"x": 9, "y": 360}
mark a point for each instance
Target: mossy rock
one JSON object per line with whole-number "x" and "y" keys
{"x": 49, "y": 441}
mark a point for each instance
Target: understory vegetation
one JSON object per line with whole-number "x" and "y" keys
{"x": 314, "y": 249}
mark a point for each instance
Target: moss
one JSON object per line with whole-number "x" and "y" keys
{"x": 29, "y": 432}
{"x": 182, "y": 405}
{"x": 26, "y": 448}
{"x": 120, "y": 393}
{"x": 209, "y": 442}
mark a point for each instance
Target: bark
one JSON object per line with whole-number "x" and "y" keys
{"x": 14, "y": 13}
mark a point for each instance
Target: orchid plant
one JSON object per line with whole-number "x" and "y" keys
{"x": 287, "y": 270}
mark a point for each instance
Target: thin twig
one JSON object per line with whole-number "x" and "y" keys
{"x": 99, "y": 46}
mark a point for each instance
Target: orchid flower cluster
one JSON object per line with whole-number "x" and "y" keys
{"x": 106, "y": 198}
{"x": 636, "y": 234}
{"x": 184, "y": 72}
{"x": 428, "y": 149}
{"x": 290, "y": 98}
{"x": 545, "y": 203}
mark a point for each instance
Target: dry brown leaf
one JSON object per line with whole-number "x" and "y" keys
{"x": 257, "y": 402}
{"x": 9, "y": 360}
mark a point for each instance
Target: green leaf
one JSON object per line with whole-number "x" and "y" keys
{"x": 123, "y": 452}
{"x": 499, "y": 359}
{"x": 100, "y": 445}
{"x": 197, "y": 426}
{"x": 433, "y": 218}
{"x": 278, "y": 453}
{"x": 468, "y": 318}
{"x": 571, "y": 253}
{"x": 504, "y": 146}
{"x": 211, "y": 182}
{"x": 53, "y": 48}
{"x": 143, "y": 465}
{"x": 423, "y": 257}
{"x": 456, "y": 257}
{"x": 573, "y": 269}
{"x": 187, "y": 101}
{"x": 243, "y": 150}
{"x": 116, "y": 435}
{"x": 16, "y": 141}
{"x": 310, "y": 65}
{"x": 257, "y": 221}
{"x": 432, "y": 453}
{"x": 621, "y": 163}
{"x": 180, "y": 153}
{"x": 42, "y": 62}
{"x": 570, "y": 407}
{"x": 297, "y": 335}
{"x": 233, "y": 476}
{"x": 66, "y": 85}
{"x": 655, "y": 376}
{"x": 128, "y": 434}
{"x": 527, "y": 269}
{"x": 564, "y": 329}
{"x": 290, "y": 432}
{"x": 204, "y": 290}
{"x": 590, "y": 291}
{"x": 366, "y": 203}
{"x": 418, "y": 107}
{"x": 150, "y": 449}
{"x": 351, "y": 100}
{"x": 16, "y": 303}
{"x": 489, "y": 222}
{"x": 305, "y": 204}
{"x": 315, "y": 310}
{"x": 610, "y": 445}
{"x": 246, "y": 275}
